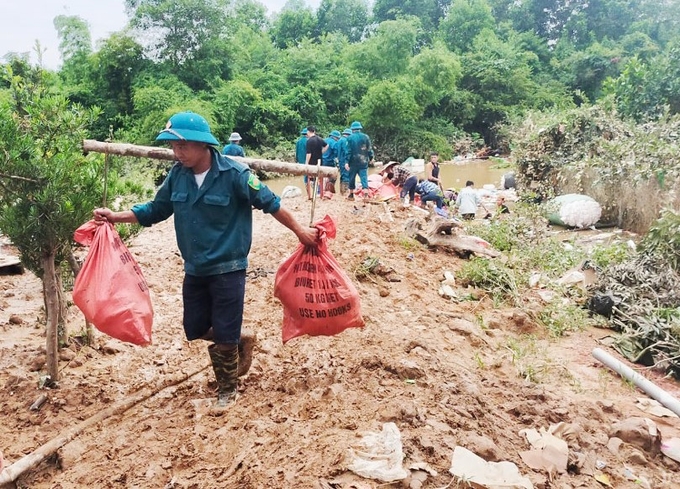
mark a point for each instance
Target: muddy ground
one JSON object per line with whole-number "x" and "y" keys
{"x": 447, "y": 373}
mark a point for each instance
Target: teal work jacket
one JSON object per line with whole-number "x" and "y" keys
{"x": 214, "y": 223}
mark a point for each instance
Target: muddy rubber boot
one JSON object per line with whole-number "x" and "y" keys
{"x": 245, "y": 352}
{"x": 224, "y": 360}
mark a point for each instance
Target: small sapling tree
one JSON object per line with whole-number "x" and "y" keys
{"x": 47, "y": 186}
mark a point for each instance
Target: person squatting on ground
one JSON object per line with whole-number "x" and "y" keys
{"x": 401, "y": 177}
{"x": 329, "y": 159}
{"x": 234, "y": 147}
{"x": 359, "y": 155}
{"x": 468, "y": 201}
{"x": 432, "y": 170}
{"x": 343, "y": 160}
{"x": 211, "y": 197}
{"x": 316, "y": 147}
{"x": 430, "y": 192}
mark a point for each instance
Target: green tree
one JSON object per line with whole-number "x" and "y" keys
{"x": 435, "y": 73}
{"x": 113, "y": 71}
{"x": 47, "y": 188}
{"x": 295, "y": 23}
{"x": 74, "y": 36}
{"x": 498, "y": 76}
{"x": 586, "y": 70}
{"x": 387, "y": 53}
{"x": 235, "y": 109}
{"x": 348, "y": 17}
{"x": 647, "y": 91}
{"x": 464, "y": 21}
{"x": 388, "y": 108}
{"x": 430, "y": 12}
{"x": 188, "y": 35}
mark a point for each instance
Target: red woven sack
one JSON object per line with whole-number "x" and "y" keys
{"x": 110, "y": 289}
{"x": 317, "y": 295}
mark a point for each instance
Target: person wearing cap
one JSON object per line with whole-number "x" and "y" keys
{"x": 234, "y": 147}
{"x": 432, "y": 170}
{"x": 468, "y": 201}
{"x": 330, "y": 159}
{"x": 401, "y": 177}
{"x": 316, "y": 147}
{"x": 211, "y": 197}
{"x": 359, "y": 155}
{"x": 343, "y": 159}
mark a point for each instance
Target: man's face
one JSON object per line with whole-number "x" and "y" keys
{"x": 434, "y": 158}
{"x": 189, "y": 153}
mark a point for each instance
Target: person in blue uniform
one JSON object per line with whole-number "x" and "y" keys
{"x": 234, "y": 147}
{"x": 211, "y": 197}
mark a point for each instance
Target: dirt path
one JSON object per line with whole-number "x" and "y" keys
{"x": 447, "y": 374}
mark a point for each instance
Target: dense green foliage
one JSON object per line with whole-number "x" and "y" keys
{"x": 47, "y": 186}
{"x": 632, "y": 170}
{"x": 421, "y": 75}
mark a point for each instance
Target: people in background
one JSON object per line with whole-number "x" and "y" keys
{"x": 430, "y": 192}
{"x": 432, "y": 170}
{"x": 330, "y": 159}
{"x": 468, "y": 201}
{"x": 301, "y": 150}
{"x": 343, "y": 159}
{"x": 234, "y": 147}
{"x": 316, "y": 147}
{"x": 501, "y": 206}
{"x": 401, "y": 177}
{"x": 359, "y": 155}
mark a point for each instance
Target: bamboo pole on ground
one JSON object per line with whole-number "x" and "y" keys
{"x": 12, "y": 472}
{"x": 126, "y": 149}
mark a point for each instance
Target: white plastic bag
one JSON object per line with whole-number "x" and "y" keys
{"x": 379, "y": 455}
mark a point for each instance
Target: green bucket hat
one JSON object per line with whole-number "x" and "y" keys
{"x": 187, "y": 126}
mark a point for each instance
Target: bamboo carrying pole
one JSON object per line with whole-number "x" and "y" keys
{"x": 12, "y": 472}
{"x": 125, "y": 149}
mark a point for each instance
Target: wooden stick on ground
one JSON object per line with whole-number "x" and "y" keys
{"x": 12, "y": 472}
{"x": 125, "y": 149}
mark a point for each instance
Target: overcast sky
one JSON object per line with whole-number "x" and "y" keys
{"x": 25, "y": 21}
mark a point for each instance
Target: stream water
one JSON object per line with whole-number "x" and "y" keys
{"x": 452, "y": 174}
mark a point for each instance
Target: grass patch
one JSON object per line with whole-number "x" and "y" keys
{"x": 501, "y": 282}
{"x": 560, "y": 318}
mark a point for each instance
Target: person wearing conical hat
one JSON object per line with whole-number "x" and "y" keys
{"x": 211, "y": 197}
{"x": 401, "y": 177}
{"x": 234, "y": 147}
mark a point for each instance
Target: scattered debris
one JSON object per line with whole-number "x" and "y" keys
{"x": 654, "y": 407}
{"x": 379, "y": 455}
{"x": 549, "y": 453}
{"x": 472, "y": 469}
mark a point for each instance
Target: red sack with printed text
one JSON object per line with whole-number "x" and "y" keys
{"x": 110, "y": 289}
{"x": 317, "y": 295}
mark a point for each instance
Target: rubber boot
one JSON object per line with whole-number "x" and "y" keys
{"x": 245, "y": 352}
{"x": 224, "y": 360}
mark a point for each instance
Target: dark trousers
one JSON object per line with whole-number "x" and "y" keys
{"x": 409, "y": 188}
{"x": 215, "y": 301}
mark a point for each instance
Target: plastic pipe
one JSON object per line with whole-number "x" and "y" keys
{"x": 647, "y": 386}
